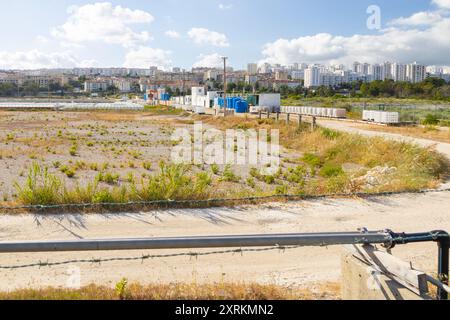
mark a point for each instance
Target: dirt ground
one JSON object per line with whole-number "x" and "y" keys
{"x": 305, "y": 267}
{"x": 83, "y": 144}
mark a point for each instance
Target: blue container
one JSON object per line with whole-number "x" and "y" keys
{"x": 235, "y": 102}
{"x": 241, "y": 106}
{"x": 165, "y": 97}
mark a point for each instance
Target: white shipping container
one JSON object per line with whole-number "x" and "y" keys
{"x": 272, "y": 101}
{"x": 381, "y": 117}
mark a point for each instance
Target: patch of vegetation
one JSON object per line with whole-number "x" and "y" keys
{"x": 171, "y": 183}
{"x": 180, "y": 291}
{"x": 108, "y": 177}
{"x": 162, "y": 110}
{"x": 330, "y": 170}
{"x": 431, "y": 119}
{"x": 228, "y": 175}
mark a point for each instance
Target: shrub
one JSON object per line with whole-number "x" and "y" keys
{"x": 269, "y": 179}
{"x": 215, "y": 169}
{"x": 70, "y": 173}
{"x": 330, "y": 170}
{"x": 281, "y": 190}
{"x": 40, "y": 188}
{"x": 431, "y": 119}
{"x": 330, "y": 134}
{"x": 229, "y": 176}
{"x": 147, "y": 165}
{"x": 312, "y": 159}
{"x": 296, "y": 175}
{"x": 73, "y": 150}
{"x": 108, "y": 177}
{"x": 251, "y": 182}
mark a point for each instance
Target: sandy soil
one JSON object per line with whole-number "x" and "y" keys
{"x": 300, "y": 267}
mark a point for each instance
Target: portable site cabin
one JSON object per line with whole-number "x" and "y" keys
{"x": 318, "y": 112}
{"x": 198, "y": 100}
{"x": 264, "y": 102}
{"x": 382, "y": 117}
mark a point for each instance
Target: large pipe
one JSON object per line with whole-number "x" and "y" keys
{"x": 313, "y": 239}
{"x": 443, "y": 240}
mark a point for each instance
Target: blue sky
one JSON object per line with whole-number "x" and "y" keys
{"x": 47, "y": 34}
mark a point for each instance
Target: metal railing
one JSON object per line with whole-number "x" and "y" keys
{"x": 386, "y": 238}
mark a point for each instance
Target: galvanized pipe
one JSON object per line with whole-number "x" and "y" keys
{"x": 443, "y": 264}
{"x": 313, "y": 239}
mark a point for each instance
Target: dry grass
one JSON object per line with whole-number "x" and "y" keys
{"x": 164, "y": 111}
{"x": 429, "y": 132}
{"x": 222, "y": 291}
{"x": 417, "y": 167}
{"x": 322, "y": 162}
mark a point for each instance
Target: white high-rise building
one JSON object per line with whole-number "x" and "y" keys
{"x": 387, "y": 70}
{"x": 415, "y": 73}
{"x": 398, "y": 71}
{"x": 435, "y": 70}
{"x": 265, "y": 68}
{"x": 312, "y": 77}
{"x": 252, "y": 68}
{"x": 298, "y": 74}
{"x": 376, "y": 72}
{"x": 363, "y": 68}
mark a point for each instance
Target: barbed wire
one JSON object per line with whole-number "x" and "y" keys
{"x": 143, "y": 258}
{"x": 211, "y": 202}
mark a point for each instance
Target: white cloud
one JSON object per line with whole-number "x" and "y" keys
{"x": 103, "y": 22}
{"x": 172, "y": 34}
{"x": 427, "y": 45}
{"x": 417, "y": 19}
{"x": 225, "y": 6}
{"x": 209, "y": 61}
{"x": 445, "y": 4}
{"x": 205, "y": 36}
{"x": 145, "y": 57}
{"x": 35, "y": 59}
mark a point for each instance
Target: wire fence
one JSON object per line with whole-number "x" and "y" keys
{"x": 134, "y": 205}
{"x": 142, "y": 258}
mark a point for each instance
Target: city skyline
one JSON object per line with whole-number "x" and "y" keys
{"x": 139, "y": 34}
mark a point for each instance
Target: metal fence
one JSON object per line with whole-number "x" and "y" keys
{"x": 386, "y": 238}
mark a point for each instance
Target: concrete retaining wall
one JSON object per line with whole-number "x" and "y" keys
{"x": 361, "y": 281}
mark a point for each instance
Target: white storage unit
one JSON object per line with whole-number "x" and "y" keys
{"x": 211, "y": 97}
{"x": 101, "y": 106}
{"x": 270, "y": 101}
{"x": 382, "y": 117}
{"x": 317, "y": 112}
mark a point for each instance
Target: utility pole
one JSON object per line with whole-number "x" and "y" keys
{"x": 225, "y": 85}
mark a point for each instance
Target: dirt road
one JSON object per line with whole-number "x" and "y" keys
{"x": 300, "y": 267}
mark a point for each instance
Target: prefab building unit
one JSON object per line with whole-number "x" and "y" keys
{"x": 264, "y": 102}
{"x": 316, "y": 112}
{"x": 382, "y": 117}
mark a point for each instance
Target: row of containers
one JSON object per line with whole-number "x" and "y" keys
{"x": 381, "y": 117}
{"x": 237, "y": 104}
{"x": 317, "y": 112}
